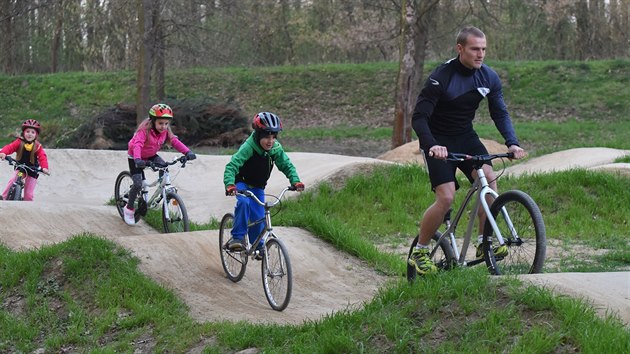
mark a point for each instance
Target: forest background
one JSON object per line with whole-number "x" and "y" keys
{"x": 152, "y": 36}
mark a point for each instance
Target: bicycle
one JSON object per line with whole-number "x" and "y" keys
{"x": 16, "y": 191}
{"x": 174, "y": 214}
{"x": 275, "y": 266}
{"x": 513, "y": 219}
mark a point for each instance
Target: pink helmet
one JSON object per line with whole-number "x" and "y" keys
{"x": 31, "y": 123}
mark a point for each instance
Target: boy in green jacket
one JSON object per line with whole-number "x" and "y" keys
{"x": 249, "y": 169}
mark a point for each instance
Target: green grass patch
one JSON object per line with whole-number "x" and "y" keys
{"x": 87, "y": 295}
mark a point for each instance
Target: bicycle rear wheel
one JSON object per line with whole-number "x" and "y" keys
{"x": 234, "y": 263}
{"x": 521, "y": 224}
{"x": 276, "y": 274}
{"x": 121, "y": 191}
{"x": 174, "y": 214}
{"x": 442, "y": 257}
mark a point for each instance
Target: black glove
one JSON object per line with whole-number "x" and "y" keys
{"x": 191, "y": 155}
{"x": 140, "y": 163}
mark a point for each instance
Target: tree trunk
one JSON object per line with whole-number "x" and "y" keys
{"x": 415, "y": 24}
{"x": 56, "y": 42}
{"x": 159, "y": 53}
{"x": 6, "y": 44}
{"x": 145, "y": 58}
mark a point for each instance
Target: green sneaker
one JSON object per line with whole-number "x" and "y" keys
{"x": 420, "y": 259}
{"x": 500, "y": 251}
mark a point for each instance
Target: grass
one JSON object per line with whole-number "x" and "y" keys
{"x": 555, "y": 105}
{"x": 87, "y": 294}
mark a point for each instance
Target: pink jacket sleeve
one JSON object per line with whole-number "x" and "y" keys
{"x": 178, "y": 145}
{"x": 11, "y": 147}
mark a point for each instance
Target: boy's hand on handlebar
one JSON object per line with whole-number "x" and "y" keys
{"x": 438, "y": 152}
{"x": 518, "y": 152}
{"x": 2, "y": 155}
{"x": 140, "y": 163}
{"x": 46, "y": 171}
{"x": 191, "y": 155}
{"x": 230, "y": 190}
{"x": 299, "y": 186}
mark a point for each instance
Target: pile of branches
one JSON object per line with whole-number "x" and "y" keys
{"x": 200, "y": 122}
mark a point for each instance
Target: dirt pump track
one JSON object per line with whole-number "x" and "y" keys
{"x": 73, "y": 200}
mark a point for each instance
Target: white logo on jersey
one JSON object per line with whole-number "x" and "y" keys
{"x": 484, "y": 91}
{"x": 434, "y": 82}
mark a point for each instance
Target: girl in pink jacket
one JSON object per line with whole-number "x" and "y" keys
{"x": 29, "y": 151}
{"x": 148, "y": 139}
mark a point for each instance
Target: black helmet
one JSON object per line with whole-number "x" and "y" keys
{"x": 267, "y": 122}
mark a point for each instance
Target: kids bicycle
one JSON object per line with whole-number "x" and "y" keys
{"x": 513, "y": 219}
{"x": 165, "y": 197}
{"x": 275, "y": 266}
{"x": 16, "y": 191}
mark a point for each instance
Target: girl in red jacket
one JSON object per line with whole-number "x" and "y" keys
{"x": 29, "y": 151}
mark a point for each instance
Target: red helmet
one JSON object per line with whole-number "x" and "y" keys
{"x": 31, "y": 123}
{"x": 267, "y": 122}
{"x": 160, "y": 111}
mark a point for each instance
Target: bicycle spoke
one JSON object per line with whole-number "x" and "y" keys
{"x": 521, "y": 226}
{"x": 276, "y": 275}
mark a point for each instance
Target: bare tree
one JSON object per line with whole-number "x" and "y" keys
{"x": 415, "y": 23}
{"x": 145, "y": 58}
{"x": 57, "y": 33}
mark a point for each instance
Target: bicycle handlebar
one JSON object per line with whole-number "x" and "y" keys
{"x": 247, "y": 193}
{"x": 454, "y": 156}
{"x": 18, "y": 165}
{"x": 161, "y": 166}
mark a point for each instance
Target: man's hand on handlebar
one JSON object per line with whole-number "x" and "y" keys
{"x": 438, "y": 152}
{"x": 518, "y": 152}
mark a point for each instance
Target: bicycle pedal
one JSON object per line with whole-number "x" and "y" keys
{"x": 142, "y": 209}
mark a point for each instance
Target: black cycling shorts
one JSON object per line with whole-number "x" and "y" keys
{"x": 441, "y": 171}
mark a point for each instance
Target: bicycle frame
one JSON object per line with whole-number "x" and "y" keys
{"x": 479, "y": 191}
{"x": 163, "y": 184}
{"x": 267, "y": 231}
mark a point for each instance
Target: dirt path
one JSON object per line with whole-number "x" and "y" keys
{"x": 73, "y": 200}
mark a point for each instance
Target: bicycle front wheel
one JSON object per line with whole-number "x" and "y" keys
{"x": 522, "y": 227}
{"x": 234, "y": 263}
{"x": 174, "y": 214}
{"x": 15, "y": 192}
{"x": 441, "y": 254}
{"x": 276, "y": 274}
{"x": 121, "y": 191}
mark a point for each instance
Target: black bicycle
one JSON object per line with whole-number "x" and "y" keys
{"x": 16, "y": 191}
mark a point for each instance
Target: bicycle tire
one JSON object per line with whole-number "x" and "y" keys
{"x": 234, "y": 263}
{"x": 526, "y": 253}
{"x": 277, "y": 277}
{"x": 175, "y": 209}
{"x": 121, "y": 191}
{"x": 443, "y": 257}
{"x": 15, "y": 192}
